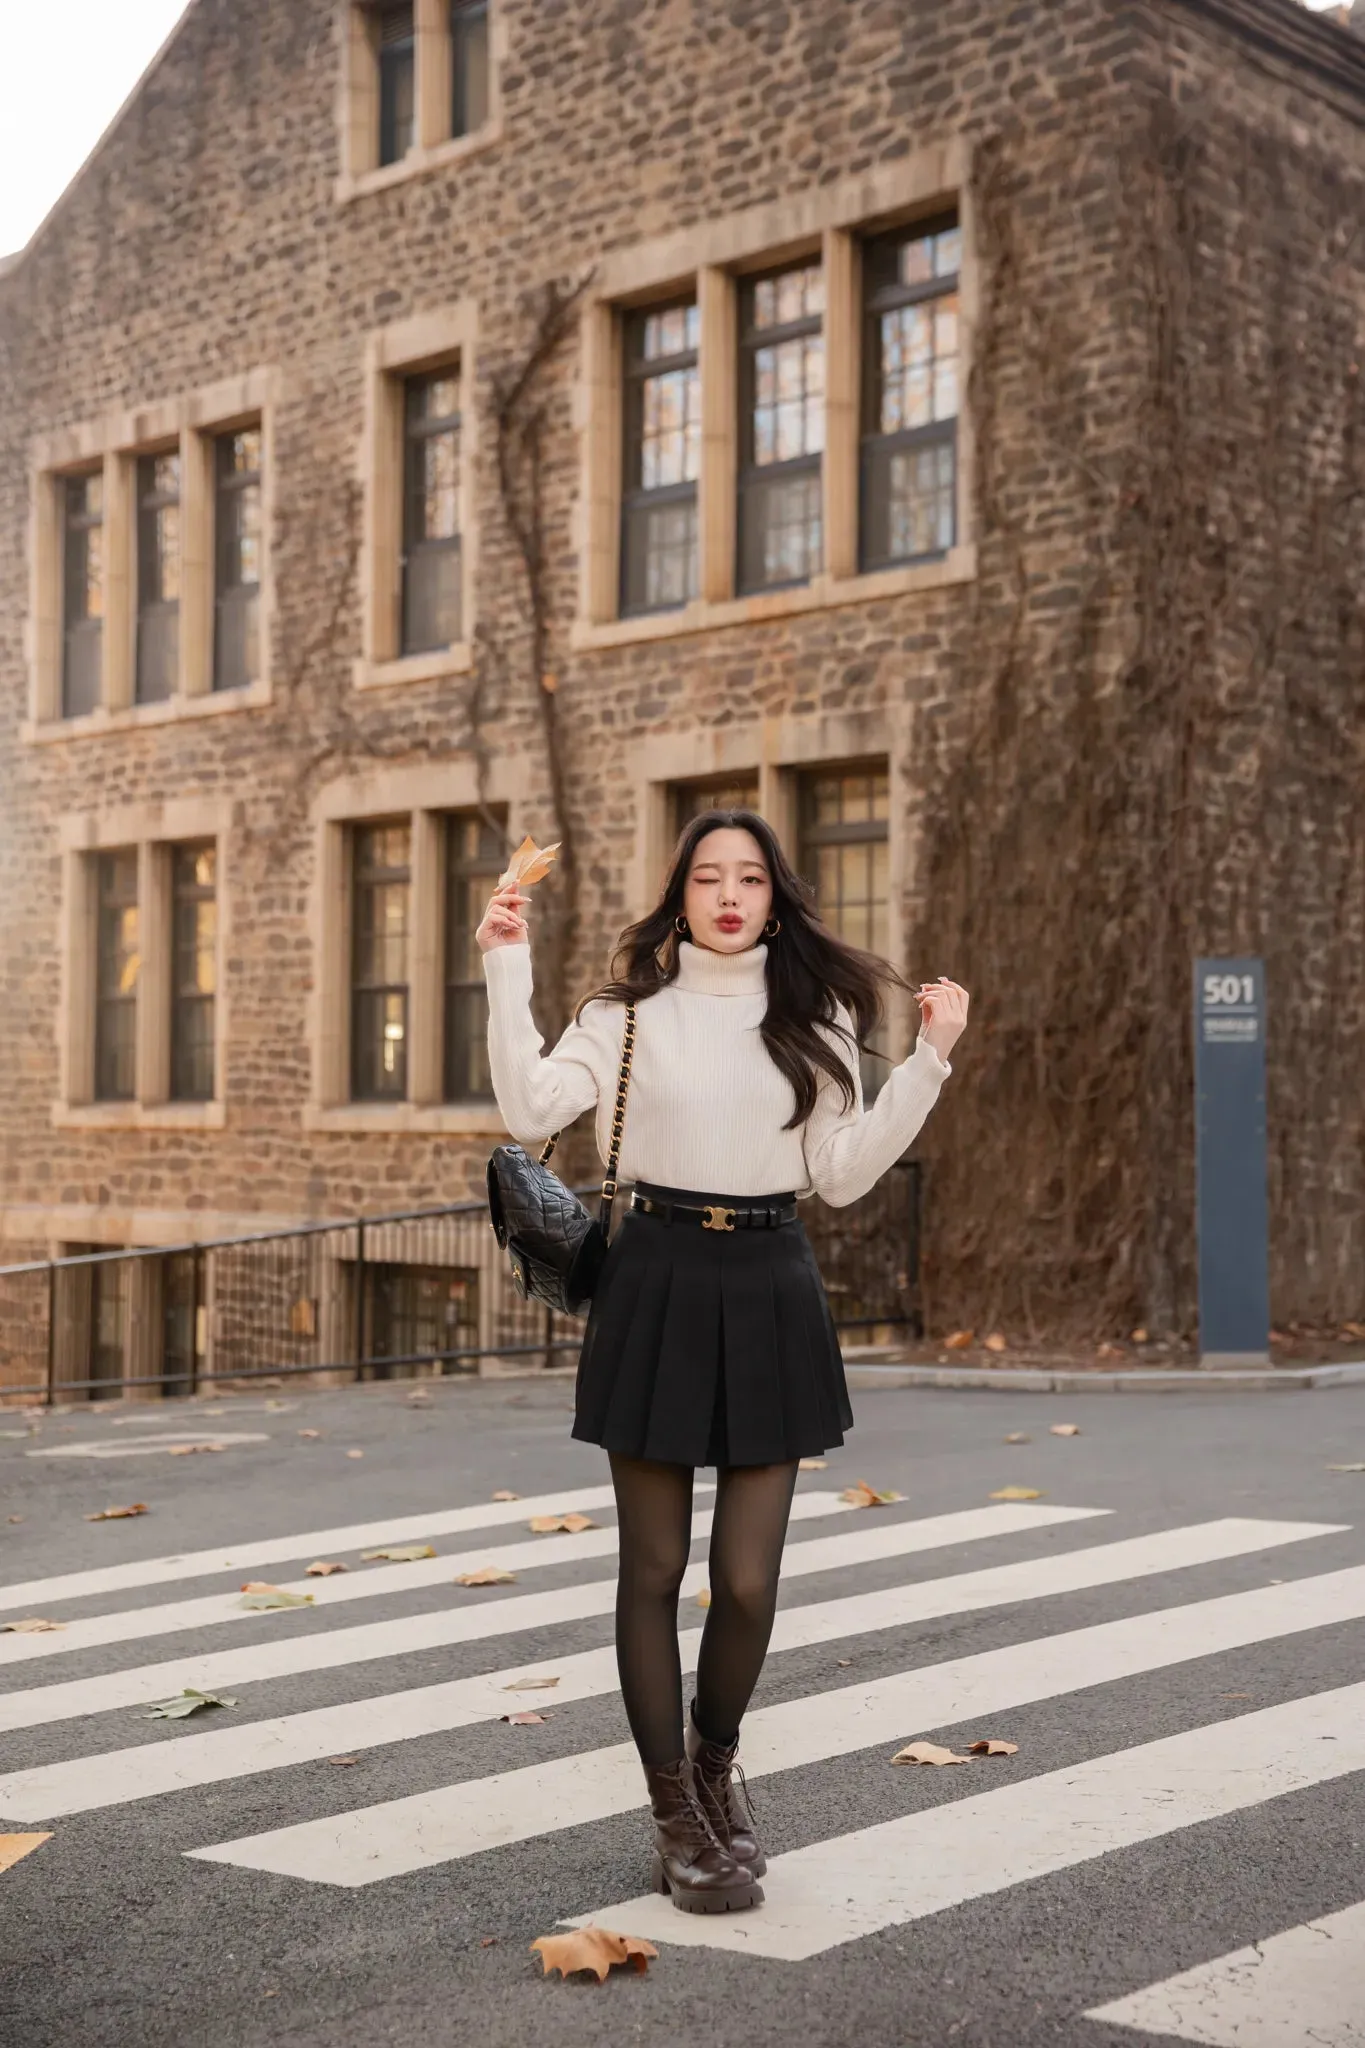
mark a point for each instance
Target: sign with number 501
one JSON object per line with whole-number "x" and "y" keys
{"x": 1229, "y": 988}
{"x": 1230, "y": 1162}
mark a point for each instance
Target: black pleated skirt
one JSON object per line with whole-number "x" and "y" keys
{"x": 710, "y": 1347}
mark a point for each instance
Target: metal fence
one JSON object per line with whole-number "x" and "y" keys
{"x": 414, "y": 1294}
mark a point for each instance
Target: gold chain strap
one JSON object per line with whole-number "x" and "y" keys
{"x": 618, "y": 1119}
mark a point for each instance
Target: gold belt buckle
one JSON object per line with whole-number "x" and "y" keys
{"x": 716, "y": 1217}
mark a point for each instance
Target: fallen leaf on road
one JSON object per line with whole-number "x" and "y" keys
{"x": 31, "y": 1625}
{"x": 571, "y": 1524}
{"x": 995, "y": 1342}
{"x": 1018, "y": 1493}
{"x": 1065, "y": 1429}
{"x": 310, "y": 1432}
{"x": 864, "y": 1496}
{"x": 530, "y": 863}
{"x": 526, "y": 1720}
{"x": 399, "y": 1553}
{"x": 927, "y": 1753}
{"x": 593, "y": 1948}
{"x": 960, "y": 1340}
{"x": 530, "y": 1685}
{"x": 340, "y": 1761}
{"x": 188, "y": 1450}
{"x": 355, "y": 1454}
{"x": 490, "y": 1941}
{"x": 812, "y": 1465}
{"x": 503, "y": 1493}
{"x": 844, "y": 1663}
{"x": 704, "y": 1597}
{"x": 187, "y": 1702}
{"x": 13, "y": 1848}
{"x": 991, "y": 1745}
{"x": 257, "y": 1594}
{"x": 487, "y": 1575}
{"x": 1018, "y": 1436}
{"x": 1346, "y": 1468}
{"x": 14, "y": 1518}
{"x": 322, "y": 1568}
{"x": 281, "y": 1407}
{"x": 139, "y": 1507}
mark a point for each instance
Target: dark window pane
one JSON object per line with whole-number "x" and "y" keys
{"x": 662, "y": 449}
{"x": 179, "y": 1322}
{"x": 118, "y": 961}
{"x": 158, "y": 577}
{"x": 83, "y": 592}
{"x": 432, "y": 562}
{"x": 911, "y": 394}
{"x": 469, "y": 65}
{"x": 379, "y": 963}
{"x": 474, "y": 859}
{"x": 397, "y": 82}
{"x": 237, "y": 566}
{"x": 194, "y": 967}
{"x": 844, "y": 855}
{"x": 417, "y": 1314}
{"x": 726, "y": 793}
{"x": 782, "y": 428}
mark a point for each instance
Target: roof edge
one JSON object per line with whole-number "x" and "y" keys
{"x": 1311, "y": 41}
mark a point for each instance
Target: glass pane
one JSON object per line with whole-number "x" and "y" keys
{"x": 432, "y": 596}
{"x": 781, "y": 541}
{"x": 438, "y": 500}
{"x": 670, "y": 429}
{"x": 467, "y": 1077}
{"x": 240, "y": 453}
{"x": 673, "y": 331}
{"x": 690, "y": 799}
{"x": 794, "y": 295}
{"x": 236, "y": 640}
{"x": 379, "y": 1045}
{"x": 158, "y": 654}
{"x": 469, "y": 55}
{"x": 434, "y": 398}
{"x": 788, "y": 411}
{"x": 921, "y": 501}
{"x": 397, "y": 78}
{"x": 81, "y": 669}
{"x": 660, "y": 555}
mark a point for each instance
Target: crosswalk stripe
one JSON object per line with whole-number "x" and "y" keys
{"x": 39, "y": 1594}
{"x": 211, "y": 1610}
{"x": 482, "y": 1619}
{"x": 453, "y": 1821}
{"x": 838, "y": 1891}
{"x": 1304, "y": 1985}
{"x": 147, "y": 1446}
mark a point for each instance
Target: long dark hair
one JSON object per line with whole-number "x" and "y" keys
{"x": 809, "y": 969}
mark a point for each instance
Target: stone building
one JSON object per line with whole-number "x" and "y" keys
{"x": 939, "y": 424}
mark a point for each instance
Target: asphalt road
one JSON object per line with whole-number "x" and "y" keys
{"x": 1186, "y": 1788}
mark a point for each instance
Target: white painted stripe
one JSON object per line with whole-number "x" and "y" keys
{"x": 838, "y": 1891}
{"x": 144, "y": 1446}
{"x": 443, "y": 1824}
{"x": 1305, "y": 1985}
{"x": 211, "y": 1610}
{"x": 477, "y": 1618}
{"x": 38, "y": 1595}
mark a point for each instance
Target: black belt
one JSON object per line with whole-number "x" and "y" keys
{"x": 719, "y": 1215}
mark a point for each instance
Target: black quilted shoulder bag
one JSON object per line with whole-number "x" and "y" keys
{"x": 556, "y": 1248}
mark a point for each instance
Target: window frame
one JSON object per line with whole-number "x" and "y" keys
{"x": 232, "y": 594}
{"x": 811, "y": 837}
{"x": 743, "y": 784}
{"x": 120, "y": 1006}
{"x": 638, "y": 500}
{"x": 156, "y": 613}
{"x": 465, "y": 17}
{"x": 450, "y": 43}
{"x": 754, "y": 480}
{"x": 416, "y": 548}
{"x": 88, "y": 625}
{"x": 395, "y": 60}
{"x": 365, "y": 990}
{"x": 185, "y": 1004}
{"x": 873, "y": 445}
{"x": 486, "y": 864}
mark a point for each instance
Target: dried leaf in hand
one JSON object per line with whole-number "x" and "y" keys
{"x": 1065, "y": 1429}
{"x": 399, "y": 1553}
{"x": 1018, "y": 1436}
{"x": 187, "y": 1702}
{"x": 593, "y": 1948}
{"x": 31, "y": 1625}
{"x": 13, "y": 1848}
{"x": 257, "y": 1594}
{"x": 526, "y": 1720}
{"x": 864, "y": 1496}
{"x": 960, "y": 1340}
{"x": 995, "y": 1342}
{"x": 487, "y": 1575}
{"x": 1018, "y": 1493}
{"x": 530, "y": 1685}
{"x": 188, "y": 1450}
{"x": 139, "y": 1507}
{"x": 323, "y": 1568}
{"x": 991, "y": 1745}
{"x": 704, "y": 1597}
{"x": 530, "y": 863}
{"x": 812, "y": 1464}
{"x": 543, "y": 1525}
{"x": 504, "y": 1493}
{"x": 927, "y": 1753}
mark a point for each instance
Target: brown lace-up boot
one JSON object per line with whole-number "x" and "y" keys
{"x": 689, "y": 1863}
{"x": 726, "y": 1804}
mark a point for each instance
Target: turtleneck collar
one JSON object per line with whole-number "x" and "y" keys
{"x": 704, "y": 973}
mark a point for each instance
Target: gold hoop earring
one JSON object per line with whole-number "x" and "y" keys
{"x": 772, "y": 928}
{"x": 680, "y": 924}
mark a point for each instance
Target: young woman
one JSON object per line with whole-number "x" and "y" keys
{"x": 710, "y": 1340}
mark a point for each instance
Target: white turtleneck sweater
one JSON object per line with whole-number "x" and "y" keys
{"x": 707, "y": 1106}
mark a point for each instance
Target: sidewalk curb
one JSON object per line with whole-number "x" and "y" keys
{"x": 866, "y": 1376}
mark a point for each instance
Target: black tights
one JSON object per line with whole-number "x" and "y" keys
{"x": 654, "y": 1510}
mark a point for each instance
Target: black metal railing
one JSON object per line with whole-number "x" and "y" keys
{"x": 420, "y": 1291}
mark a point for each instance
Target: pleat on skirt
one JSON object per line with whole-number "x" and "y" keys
{"x": 710, "y": 1347}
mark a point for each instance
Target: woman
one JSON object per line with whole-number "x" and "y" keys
{"x": 710, "y": 1340}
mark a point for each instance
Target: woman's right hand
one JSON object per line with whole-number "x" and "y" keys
{"x": 503, "y": 923}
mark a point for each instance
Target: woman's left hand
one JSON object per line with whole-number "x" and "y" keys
{"x": 942, "y": 1014}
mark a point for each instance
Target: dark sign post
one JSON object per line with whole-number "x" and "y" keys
{"x": 1230, "y": 1162}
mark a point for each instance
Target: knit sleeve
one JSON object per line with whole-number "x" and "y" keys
{"x": 538, "y": 1096}
{"x": 849, "y": 1149}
